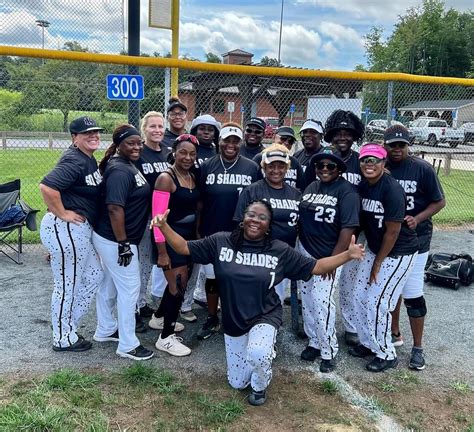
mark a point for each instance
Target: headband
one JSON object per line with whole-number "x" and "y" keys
{"x": 130, "y": 131}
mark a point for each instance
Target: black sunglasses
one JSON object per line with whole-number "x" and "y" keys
{"x": 291, "y": 140}
{"x": 397, "y": 144}
{"x": 331, "y": 166}
{"x": 254, "y": 131}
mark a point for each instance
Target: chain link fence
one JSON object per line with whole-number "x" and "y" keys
{"x": 40, "y": 96}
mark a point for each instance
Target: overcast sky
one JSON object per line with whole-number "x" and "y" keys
{"x": 319, "y": 34}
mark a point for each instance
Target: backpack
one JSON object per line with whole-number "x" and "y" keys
{"x": 449, "y": 270}
{"x": 13, "y": 215}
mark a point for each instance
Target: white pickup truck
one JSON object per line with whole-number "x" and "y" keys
{"x": 434, "y": 131}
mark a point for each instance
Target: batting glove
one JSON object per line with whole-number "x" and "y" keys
{"x": 125, "y": 254}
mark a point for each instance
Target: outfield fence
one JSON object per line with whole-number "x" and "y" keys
{"x": 41, "y": 91}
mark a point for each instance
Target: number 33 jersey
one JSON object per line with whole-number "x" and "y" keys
{"x": 325, "y": 209}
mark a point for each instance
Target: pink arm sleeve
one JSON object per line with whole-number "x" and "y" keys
{"x": 158, "y": 206}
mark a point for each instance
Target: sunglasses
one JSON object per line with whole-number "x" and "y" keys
{"x": 261, "y": 217}
{"x": 188, "y": 137}
{"x": 370, "y": 160}
{"x": 254, "y": 131}
{"x": 397, "y": 144}
{"x": 331, "y": 166}
{"x": 287, "y": 138}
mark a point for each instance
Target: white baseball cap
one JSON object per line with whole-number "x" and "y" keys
{"x": 312, "y": 124}
{"x": 228, "y": 131}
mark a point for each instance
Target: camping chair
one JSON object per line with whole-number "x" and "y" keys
{"x": 10, "y": 195}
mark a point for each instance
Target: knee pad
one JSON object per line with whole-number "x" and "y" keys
{"x": 416, "y": 307}
{"x": 211, "y": 286}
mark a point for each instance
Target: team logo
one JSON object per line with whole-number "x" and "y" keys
{"x": 88, "y": 121}
{"x": 398, "y": 134}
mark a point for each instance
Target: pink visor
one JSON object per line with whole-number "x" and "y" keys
{"x": 373, "y": 150}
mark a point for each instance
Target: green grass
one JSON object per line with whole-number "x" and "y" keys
{"x": 329, "y": 387}
{"x": 460, "y": 387}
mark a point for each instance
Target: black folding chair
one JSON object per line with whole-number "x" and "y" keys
{"x": 10, "y": 195}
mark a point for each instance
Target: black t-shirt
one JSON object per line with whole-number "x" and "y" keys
{"x": 284, "y": 203}
{"x": 220, "y": 191}
{"x": 385, "y": 201}
{"x": 250, "y": 151}
{"x": 247, "y": 278}
{"x": 294, "y": 177}
{"x": 169, "y": 138}
{"x": 124, "y": 186}
{"x": 303, "y": 157}
{"x": 76, "y": 177}
{"x": 422, "y": 187}
{"x": 152, "y": 163}
{"x": 325, "y": 209}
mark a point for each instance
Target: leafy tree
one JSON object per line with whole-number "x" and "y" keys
{"x": 213, "y": 58}
{"x": 269, "y": 61}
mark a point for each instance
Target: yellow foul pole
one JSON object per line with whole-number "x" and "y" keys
{"x": 174, "y": 45}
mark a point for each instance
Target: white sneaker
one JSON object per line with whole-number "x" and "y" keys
{"x": 172, "y": 345}
{"x": 157, "y": 324}
{"x": 188, "y": 316}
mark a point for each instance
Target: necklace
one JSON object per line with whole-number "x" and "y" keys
{"x": 348, "y": 156}
{"x": 184, "y": 180}
{"x": 232, "y": 166}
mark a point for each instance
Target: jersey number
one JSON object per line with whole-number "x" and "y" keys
{"x": 272, "y": 274}
{"x": 293, "y": 219}
{"x": 324, "y": 215}
{"x": 410, "y": 202}
{"x": 380, "y": 219}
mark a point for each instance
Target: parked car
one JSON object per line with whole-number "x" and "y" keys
{"x": 375, "y": 129}
{"x": 272, "y": 126}
{"x": 468, "y": 129}
{"x": 434, "y": 131}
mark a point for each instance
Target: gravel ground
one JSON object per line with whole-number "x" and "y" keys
{"x": 26, "y": 336}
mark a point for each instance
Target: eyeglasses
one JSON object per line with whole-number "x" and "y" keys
{"x": 397, "y": 144}
{"x": 180, "y": 114}
{"x": 261, "y": 217}
{"x": 331, "y": 166}
{"x": 370, "y": 160}
{"x": 254, "y": 131}
{"x": 187, "y": 137}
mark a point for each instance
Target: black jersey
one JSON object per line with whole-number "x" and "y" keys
{"x": 325, "y": 209}
{"x": 294, "y": 177}
{"x": 204, "y": 153}
{"x": 421, "y": 185}
{"x": 250, "y": 151}
{"x": 220, "y": 189}
{"x": 169, "y": 138}
{"x": 152, "y": 163}
{"x": 284, "y": 203}
{"x": 76, "y": 177}
{"x": 247, "y": 278}
{"x": 303, "y": 157}
{"x": 125, "y": 186}
{"x": 383, "y": 202}
{"x": 183, "y": 202}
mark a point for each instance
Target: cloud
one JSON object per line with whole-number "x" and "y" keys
{"x": 341, "y": 35}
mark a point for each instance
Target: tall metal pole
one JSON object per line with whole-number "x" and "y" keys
{"x": 133, "y": 50}
{"x": 43, "y": 24}
{"x": 281, "y": 30}
{"x": 389, "y": 103}
{"x": 174, "y": 45}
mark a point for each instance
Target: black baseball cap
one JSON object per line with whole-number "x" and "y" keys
{"x": 286, "y": 131}
{"x": 176, "y": 104}
{"x": 257, "y": 121}
{"x": 396, "y": 133}
{"x": 329, "y": 153}
{"x": 84, "y": 124}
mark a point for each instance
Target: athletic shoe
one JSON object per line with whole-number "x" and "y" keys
{"x": 360, "y": 351}
{"x": 417, "y": 359}
{"x": 139, "y": 353}
{"x": 189, "y": 316}
{"x": 352, "y": 339}
{"x": 327, "y": 365}
{"x": 114, "y": 337}
{"x": 157, "y": 324}
{"x": 257, "y": 398}
{"x": 146, "y": 311}
{"x": 310, "y": 354}
{"x": 397, "y": 340}
{"x": 172, "y": 345}
{"x": 80, "y": 345}
{"x": 210, "y": 327}
{"x": 139, "y": 324}
{"x": 379, "y": 365}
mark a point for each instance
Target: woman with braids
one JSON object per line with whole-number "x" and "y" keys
{"x": 248, "y": 264}
{"x": 122, "y": 222}
{"x": 175, "y": 189}
{"x": 176, "y": 114}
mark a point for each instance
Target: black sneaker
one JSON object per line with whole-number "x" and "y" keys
{"x": 139, "y": 353}
{"x": 146, "y": 311}
{"x": 114, "y": 337}
{"x": 80, "y": 345}
{"x": 352, "y": 339}
{"x": 360, "y": 351}
{"x": 257, "y": 398}
{"x": 210, "y": 327}
{"x": 327, "y": 365}
{"x": 310, "y": 354}
{"x": 417, "y": 359}
{"x": 379, "y": 365}
{"x": 140, "y": 326}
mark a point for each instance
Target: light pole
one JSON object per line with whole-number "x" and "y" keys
{"x": 43, "y": 24}
{"x": 281, "y": 29}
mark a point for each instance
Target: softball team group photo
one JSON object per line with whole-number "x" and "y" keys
{"x": 172, "y": 216}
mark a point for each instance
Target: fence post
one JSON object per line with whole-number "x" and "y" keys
{"x": 447, "y": 164}
{"x": 4, "y": 140}
{"x": 50, "y": 140}
{"x": 389, "y": 103}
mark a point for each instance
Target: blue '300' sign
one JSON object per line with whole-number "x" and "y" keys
{"x": 125, "y": 87}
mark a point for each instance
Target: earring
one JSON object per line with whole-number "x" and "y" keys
{"x": 241, "y": 225}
